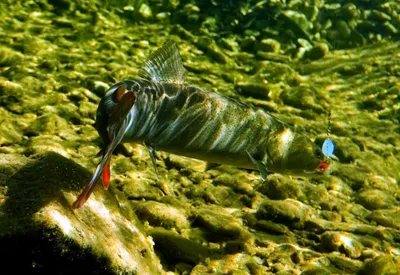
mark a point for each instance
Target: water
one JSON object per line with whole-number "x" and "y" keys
{"x": 293, "y": 59}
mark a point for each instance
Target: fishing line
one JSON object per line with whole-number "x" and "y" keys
{"x": 328, "y": 147}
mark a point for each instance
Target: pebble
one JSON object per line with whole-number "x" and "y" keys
{"x": 318, "y": 51}
{"x": 163, "y": 16}
{"x": 9, "y": 57}
{"x": 373, "y": 199}
{"x": 253, "y": 89}
{"x": 269, "y": 45}
{"x": 379, "y": 16}
{"x": 178, "y": 249}
{"x": 343, "y": 30}
{"x": 220, "y": 222}
{"x": 272, "y": 227}
{"x": 278, "y": 187}
{"x": 342, "y": 242}
{"x": 383, "y": 264}
{"x": 239, "y": 246}
{"x": 145, "y": 11}
{"x": 45, "y": 143}
{"x": 390, "y": 28}
{"x": 316, "y": 271}
{"x": 161, "y": 214}
{"x": 348, "y": 266}
{"x": 50, "y": 124}
{"x": 350, "y": 11}
{"x": 208, "y": 45}
{"x": 288, "y": 212}
{"x": 299, "y": 19}
{"x": 386, "y": 217}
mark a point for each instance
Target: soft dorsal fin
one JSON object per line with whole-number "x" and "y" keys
{"x": 164, "y": 65}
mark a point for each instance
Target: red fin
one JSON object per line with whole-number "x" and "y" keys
{"x": 118, "y": 123}
{"x": 84, "y": 196}
{"x": 106, "y": 175}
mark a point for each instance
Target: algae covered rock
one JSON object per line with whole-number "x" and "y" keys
{"x": 39, "y": 227}
{"x": 381, "y": 265}
{"x": 178, "y": 249}
{"x": 161, "y": 214}
{"x": 343, "y": 242}
{"x": 375, "y": 199}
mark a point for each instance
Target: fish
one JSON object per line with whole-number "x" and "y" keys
{"x": 160, "y": 110}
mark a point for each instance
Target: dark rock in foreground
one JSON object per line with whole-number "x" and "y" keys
{"x": 40, "y": 230}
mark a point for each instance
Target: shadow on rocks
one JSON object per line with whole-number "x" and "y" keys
{"x": 40, "y": 233}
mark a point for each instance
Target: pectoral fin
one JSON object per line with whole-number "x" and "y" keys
{"x": 260, "y": 166}
{"x": 152, "y": 152}
{"x": 103, "y": 166}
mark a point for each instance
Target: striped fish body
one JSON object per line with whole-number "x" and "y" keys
{"x": 189, "y": 121}
{"x": 160, "y": 110}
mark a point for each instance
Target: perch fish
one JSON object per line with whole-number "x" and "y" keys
{"x": 163, "y": 112}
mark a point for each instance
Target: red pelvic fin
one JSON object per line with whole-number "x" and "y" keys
{"x": 106, "y": 175}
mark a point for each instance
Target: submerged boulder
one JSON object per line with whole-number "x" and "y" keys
{"x": 39, "y": 227}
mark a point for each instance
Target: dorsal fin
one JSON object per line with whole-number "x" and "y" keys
{"x": 164, "y": 65}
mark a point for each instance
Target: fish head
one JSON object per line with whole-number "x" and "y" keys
{"x": 298, "y": 155}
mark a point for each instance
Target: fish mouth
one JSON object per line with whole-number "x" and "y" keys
{"x": 324, "y": 167}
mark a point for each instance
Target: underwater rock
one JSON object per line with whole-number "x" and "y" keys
{"x": 346, "y": 265}
{"x": 302, "y": 97}
{"x": 210, "y": 47}
{"x": 253, "y": 89}
{"x": 39, "y": 227}
{"x": 269, "y": 45}
{"x": 349, "y": 11}
{"x": 279, "y": 187}
{"x": 220, "y": 222}
{"x": 178, "y": 249}
{"x": 381, "y": 265}
{"x": 316, "y": 271}
{"x": 44, "y": 143}
{"x": 238, "y": 246}
{"x": 343, "y": 242}
{"x": 161, "y": 214}
{"x": 289, "y": 212}
{"x": 375, "y": 199}
{"x": 390, "y": 28}
{"x": 272, "y": 227}
{"x": 299, "y": 20}
{"x": 145, "y": 11}
{"x": 379, "y": 16}
{"x": 9, "y": 57}
{"x": 318, "y": 51}
{"x": 230, "y": 43}
{"x": 10, "y": 129}
{"x": 386, "y": 217}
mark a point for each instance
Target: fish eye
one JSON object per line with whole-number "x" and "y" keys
{"x": 318, "y": 153}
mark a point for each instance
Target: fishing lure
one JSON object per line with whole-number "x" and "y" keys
{"x": 161, "y": 111}
{"x": 328, "y": 147}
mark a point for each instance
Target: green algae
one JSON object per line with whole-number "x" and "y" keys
{"x": 58, "y": 58}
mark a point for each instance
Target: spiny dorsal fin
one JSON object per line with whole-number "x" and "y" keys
{"x": 164, "y": 65}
